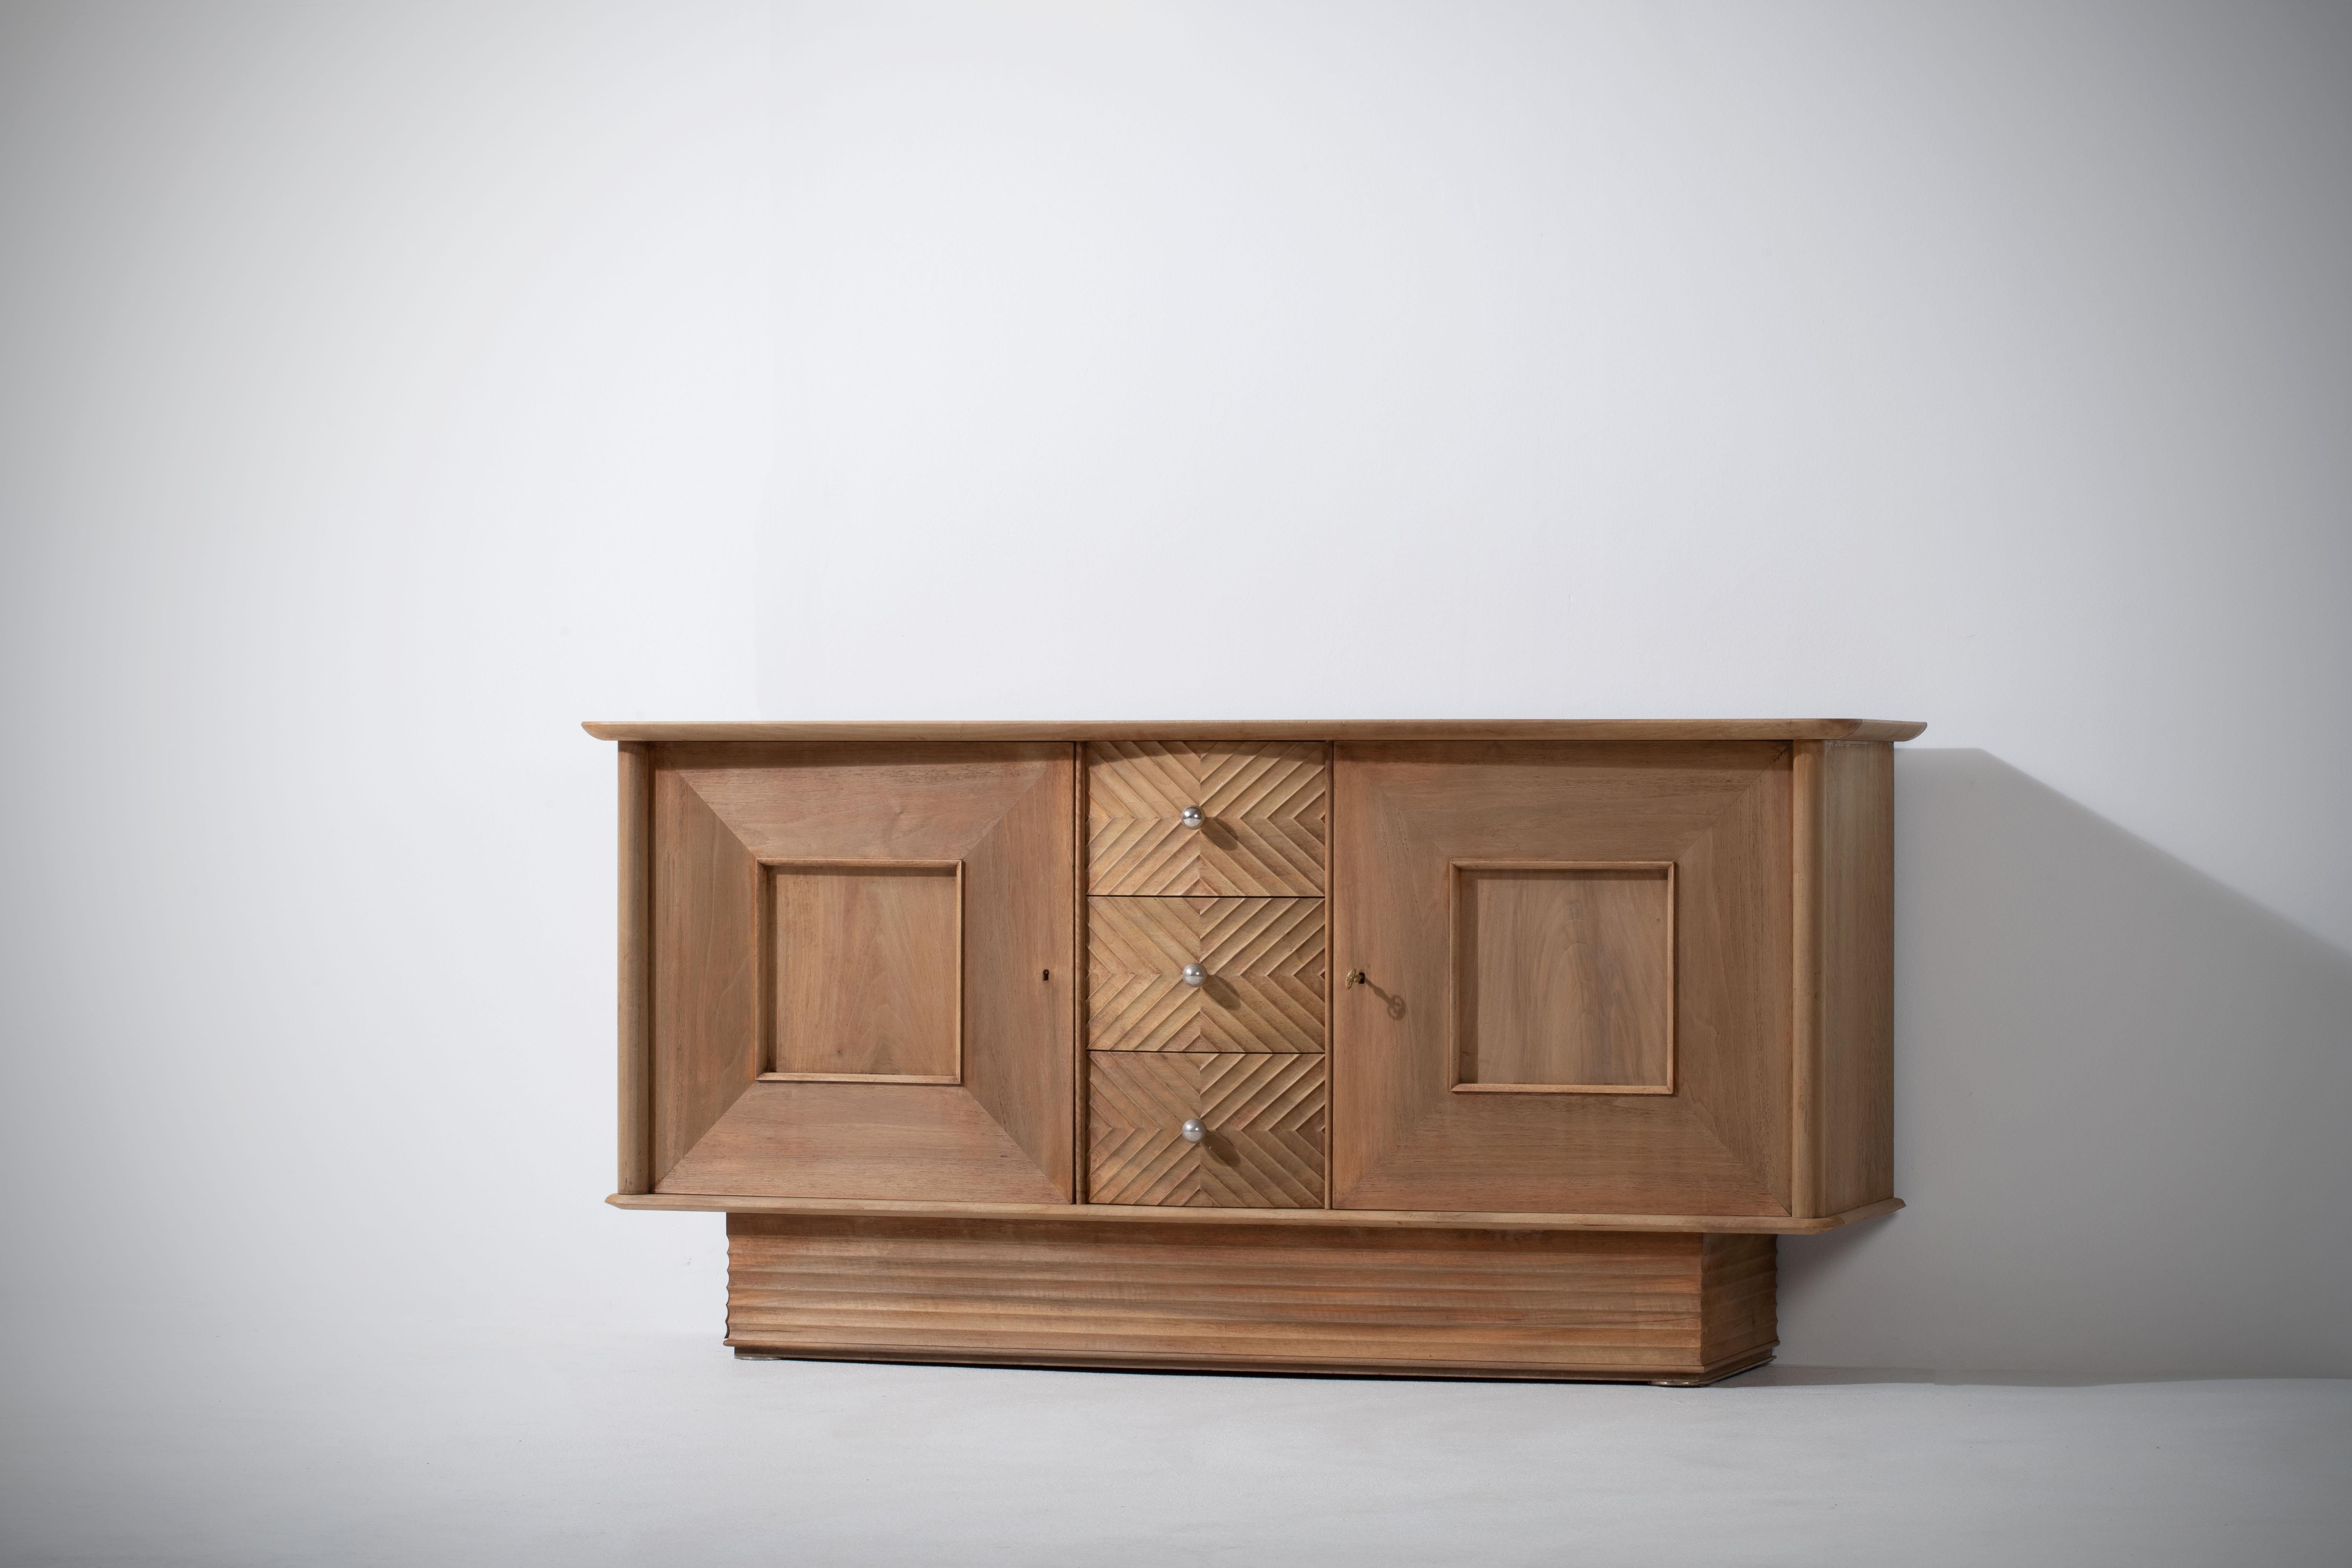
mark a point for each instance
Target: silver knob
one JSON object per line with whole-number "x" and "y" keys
{"x": 1191, "y": 814}
{"x": 1194, "y": 1131}
{"x": 1195, "y": 974}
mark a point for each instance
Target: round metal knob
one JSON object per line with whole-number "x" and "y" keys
{"x": 1195, "y": 974}
{"x": 1194, "y": 1131}
{"x": 1191, "y": 814}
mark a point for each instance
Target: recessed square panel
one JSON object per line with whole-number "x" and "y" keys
{"x": 1563, "y": 977}
{"x": 868, "y": 971}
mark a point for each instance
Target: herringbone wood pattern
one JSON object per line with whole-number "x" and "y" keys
{"x": 1266, "y": 810}
{"x": 1264, "y": 1115}
{"x": 1264, "y": 959}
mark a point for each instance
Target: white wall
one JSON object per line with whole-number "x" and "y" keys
{"x": 388, "y": 389}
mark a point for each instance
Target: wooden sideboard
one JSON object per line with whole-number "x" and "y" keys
{"x": 1499, "y": 1049}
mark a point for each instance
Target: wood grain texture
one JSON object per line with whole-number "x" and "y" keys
{"x": 1778, "y": 859}
{"x": 868, "y": 970}
{"x": 1264, "y": 1116}
{"x": 635, "y": 971}
{"x": 1805, "y": 973}
{"x": 1319, "y": 730}
{"x": 1622, "y": 1305}
{"x": 1448, "y": 1219}
{"x": 862, "y": 1140}
{"x": 1004, "y": 811}
{"x": 1853, "y": 1049}
{"x": 1739, "y": 1290}
{"x": 1078, "y": 981}
{"x": 1331, "y": 970}
{"x": 706, "y": 970}
{"x": 1265, "y": 959}
{"x": 1563, "y": 978}
{"x": 1720, "y": 813}
{"x": 1263, "y": 805}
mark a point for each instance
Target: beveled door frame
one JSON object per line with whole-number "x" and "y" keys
{"x": 1454, "y": 986}
{"x": 768, "y": 869}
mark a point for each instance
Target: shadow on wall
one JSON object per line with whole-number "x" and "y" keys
{"x": 2123, "y": 1110}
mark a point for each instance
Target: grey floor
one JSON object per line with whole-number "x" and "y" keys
{"x": 255, "y": 1449}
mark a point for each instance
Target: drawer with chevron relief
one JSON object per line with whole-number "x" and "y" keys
{"x": 1206, "y": 818}
{"x": 1205, "y": 1129}
{"x": 1205, "y": 974}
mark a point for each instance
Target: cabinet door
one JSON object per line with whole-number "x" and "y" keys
{"x": 1576, "y": 977}
{"x": 862, "y": 977}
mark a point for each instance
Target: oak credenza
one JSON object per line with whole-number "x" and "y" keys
{"x": 1487, "y": 1048}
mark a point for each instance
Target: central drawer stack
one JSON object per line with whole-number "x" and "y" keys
{"x": 1207, "y": 983}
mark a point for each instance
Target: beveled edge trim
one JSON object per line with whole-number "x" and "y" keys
{"x": 1081, "y": 977}
{"x": 1729, "y": 1225}
{"x": 1262, "y": 730}
{"x": 769, "y": 870}
{"x": 858, "y": 1078}
{"x": 1561, "y": 1089}
{"x": 636, "y": 966}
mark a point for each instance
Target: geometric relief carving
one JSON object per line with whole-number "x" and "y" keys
{"x": 1563, "y": 977}
{"x": 862, "y": 971}
{"x": 867, "y": 961}
{"x": 1419, "y": 1118}
{"x": 1264, "y": 964}
{"x": 1261, "y": 817}
{"x": 1263, "y": 1120}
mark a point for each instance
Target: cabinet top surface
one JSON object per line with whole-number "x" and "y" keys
{"x": 1266, "y": 730}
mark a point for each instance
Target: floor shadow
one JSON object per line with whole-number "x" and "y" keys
{"x": 2122, "y": 1111}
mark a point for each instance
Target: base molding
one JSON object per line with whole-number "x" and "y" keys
{"x": 1633, "y": 1306}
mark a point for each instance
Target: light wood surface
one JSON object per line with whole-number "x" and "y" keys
{"x": 1263, "y": 730}
{"x": 1263, "y": 1116}
{"x": 707, "y": 969}
{"x": 1732, "y": 1225}
{"x": 1265, "y": 990}
{"x": 1004, "y": 1132}
{"x": 863, "y": 1139}
{"x": 1720, "y": 1143}
{"x": 1624, "y": 1305}
{"x": 1330, "y": 970}
{"x": 868, "y": 967}
{"x": 1264, "y": 807}
{"x": 1805, "y": 975}
{"x": 637, "y": 1130}
{"x": 1079, "y": 981}
{"x": 1624, "y": 1016}
{"x": 1850, "y": 917}
{"x": 1563, "y": 977}
{"x": 1739, "y": 1287}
